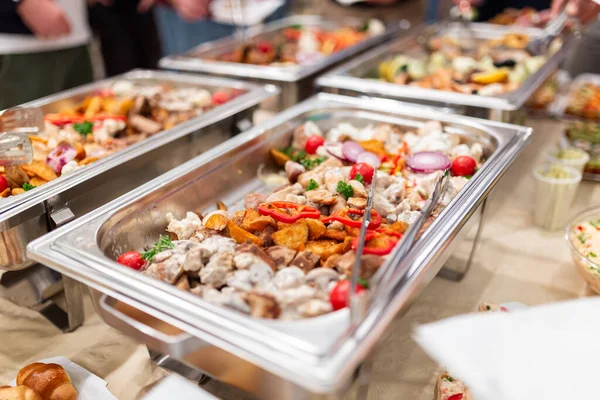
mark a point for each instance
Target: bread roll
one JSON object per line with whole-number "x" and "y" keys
{"x": 18, "y": 393}
{"x": 50, "y": 381}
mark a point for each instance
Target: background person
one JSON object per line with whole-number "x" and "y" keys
{"x": 43, "y": 48}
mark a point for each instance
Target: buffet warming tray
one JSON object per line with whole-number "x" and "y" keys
{"x": 351, "y": 77}
{"x": 32, "y": 214}
{"x": 295, "y": 81}
{"x": 270, "y": 358}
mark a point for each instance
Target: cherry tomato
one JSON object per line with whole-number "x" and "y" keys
{"x": 366, "y": 170}
{"x": 463, "y": 166}
{"x": 339, "y": 294}
{"x": 132, "y": 259}
{"x": 313, "y": 143}
{"x": 220, "y": 97}
{"x": 264, "y": 47}
{"x": 3, "y": 183}
{"x": 458, "y": 396}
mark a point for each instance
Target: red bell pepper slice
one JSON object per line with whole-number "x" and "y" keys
{"x": 342, "y": 216}
{"x": 386, "y": 241}
{"x": 458, "y": 396}
{"x": 282, "y": 211}
{"x": 62, "y": 120}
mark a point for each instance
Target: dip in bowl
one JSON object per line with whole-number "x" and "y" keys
{"x": 583, "y": 236}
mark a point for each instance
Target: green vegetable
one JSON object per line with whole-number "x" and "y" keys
{"x": 296, "y": 26}
{"x": 449, "y": 379}
{"x": 488, "y": 308}
{"x": 310, "y": 163}
{"x": 28, "y": 186}
{"x": 164, "y": 243}
{"x": 581, "y": 238}
{"x": 592, "y": 254}
{"x": 312, "y": 184}
{"x": 363, "y": 282}
{"x": 364, "y": 27}
{"x": 84, "y": 128}
{"x": 595, "y": 224}
{"x": 359, "y": 178}
{"x": 345, "y": 189}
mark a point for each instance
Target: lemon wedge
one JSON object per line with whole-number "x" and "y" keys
{"x": 486, "y": 78}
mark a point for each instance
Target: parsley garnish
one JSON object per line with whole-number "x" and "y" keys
{"x": 164, "y": 243}
{"x": 468, "y": 176}
{"x": 28, "y": 186}
{"x": 359, "y": 178}
{"x": 488, "y": 308}
{"x": 592, "y": 254}
{"x": 581, "y": 238}
{"x": 84, "y": 128}
{"x": 449, "y": 379}
{"x": 296, "y": 26}
{"x": 595, "y": 224}
{"x": 312, "y": 184}
{"x": 363, "y": 282}
{"x": 310, "y": 163}
{"x": 345, "y": 189}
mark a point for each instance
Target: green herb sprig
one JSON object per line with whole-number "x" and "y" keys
{"x": 312, "y": 184}
{"x": 84, "y": 128}
{"x": 28, "y": 186}
{"x": 359, "y": 178}
{"x": 164, "y": 243}
{"x": 345, "y": 189}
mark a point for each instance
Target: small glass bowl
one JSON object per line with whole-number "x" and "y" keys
{"x": 588, "y": 269}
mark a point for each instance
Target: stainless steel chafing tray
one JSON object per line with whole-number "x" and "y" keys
{"x": 272, "y": 359}
{"x": 350, "y": 78}
{"x": 30, "y": 215}
{"x": 295, "y": 81}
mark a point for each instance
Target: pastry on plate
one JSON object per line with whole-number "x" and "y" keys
{"x": 50, "y": 381}
{"x": 18, "y": 393}
{"x": 449, "y": 388}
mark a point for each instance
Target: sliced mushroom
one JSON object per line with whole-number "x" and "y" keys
{"x": 290, "y": 277}
{"x": 293, "y": 170}
{"x": 357, "y": 202}
{"x": 282, "y": 255}
{"x": 322, "y": 277}
{"x": 263, "y": 305}
{"x": 359, "y": 189}
{"x": 144, "y": 124}
{"x": 321, "y": 196}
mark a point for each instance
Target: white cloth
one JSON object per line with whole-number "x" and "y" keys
{"x": 546, "y": 352}
{"x": 76, "y": 11}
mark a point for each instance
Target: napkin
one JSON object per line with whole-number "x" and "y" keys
{"x": 88, "y": 385}
{"x": 547, "y": 352}
{"x": 176, "y": 387}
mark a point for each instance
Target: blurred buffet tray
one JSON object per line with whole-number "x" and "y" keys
{"x": 359, "y": 76}
{"x": 296, "y": 80}
{"x": 268, "y": 358}
{"x": 26, "y": 216}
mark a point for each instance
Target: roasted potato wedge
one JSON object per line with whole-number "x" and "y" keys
{"x": 279, "y": 157}
{"x": 316, "y": 228}
{"x": 17, "y": 191}
{"x": 293, "y": 236}
{"x": 221, "y": 206}
{"x": 40, "y": 169}
{"x": 238, "y": 217}
{"x": 325, "y": 248}
{"x": 253, "y": 221}
{"x": 37, "y": 181}
{"x": 241, "y": 235}
{"x": 5, "y": 193}
{"x": 218, "y": 222}
{"x": 335, "y": 234}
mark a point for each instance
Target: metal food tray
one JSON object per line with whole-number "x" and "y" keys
{"x": 296, "y": 81}
{"x": 32, "y": 214}
{"x": 349, "y": 78}
{"x": 272, "y": 359}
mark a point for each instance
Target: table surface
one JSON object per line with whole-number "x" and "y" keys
{"x": 515, "y": 261}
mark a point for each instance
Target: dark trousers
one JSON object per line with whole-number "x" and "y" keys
{"x": 128, "y": 39}
{"x": 26, "y": 77}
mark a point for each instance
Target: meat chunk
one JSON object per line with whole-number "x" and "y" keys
{"x": 359, "y": 189}
{"x": 293, "y": 170}
{"x": 227, "y": 298}
{"x": 306, "y": 260}
{"x": 252, "y": 200}
{"x": 357, "y": 202}
{"x": 193, "y": 261}
{"x": 141, "y": 106}
{"x": 318, "y": 173}
{"x": 168, "y": 270}
{"x": 267, "y": 236}
{"x": 314, "y": 308}
{"x": 321, "y": 196}
{"x": 240, "y": 279}
{"x": 263, "y": 305}
{"x": 144, "y": 124}
{"x": 260, "y": 272}
{"x": 340, "y": 204}
{"x": 281, "y": 195}
{"x": 369, "y": 264}
{"x": 289, "y": 278}
{"x": 281, "y": 255}
{"x": 244, "y": 261}
{"x": 16, "y": 176}
{"x": 215, "y": 272}
{"x": 184, "y": 228}
{"x": 322, "y": 277}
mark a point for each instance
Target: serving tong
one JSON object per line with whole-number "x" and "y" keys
{"x": 237, "y": 13}
{"x": 15, "y": 124}
{"x": 554, "y": 28}
{"x": 359, "y": 302}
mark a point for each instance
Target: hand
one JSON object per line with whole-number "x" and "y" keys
{"x": 584, "y": 10}
{"x": 45, "y": 18}
{"x": 192, "y": 10}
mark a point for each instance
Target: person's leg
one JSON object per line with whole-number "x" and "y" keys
{"x": 585, "y": 58}
{"x": 77, "y": 66}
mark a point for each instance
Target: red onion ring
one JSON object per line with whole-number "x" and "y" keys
{"x": 369, "y": 158}
{"x": 428, "y": 161}
{"x": 351, "y": 150}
